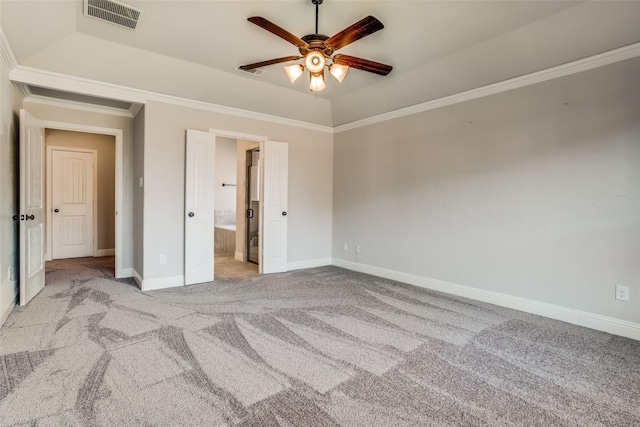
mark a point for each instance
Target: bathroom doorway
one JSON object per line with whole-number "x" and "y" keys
{"x": 230, "y": 226}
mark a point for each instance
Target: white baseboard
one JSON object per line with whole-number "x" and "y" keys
{"x": 136, "y": 276}
{"x": 309, "y": 263}
{"x": 239, "y": 256}
{"x": 161, "y": 283}
{"x": 577, "y": 317}
{"x": 105, "y": 252}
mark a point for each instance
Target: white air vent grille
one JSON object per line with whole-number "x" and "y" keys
{"x": 113, "y": 12}
{"x": 254, "y": 71}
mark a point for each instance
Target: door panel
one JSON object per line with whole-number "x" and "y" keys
{"x": 31, "y": 207}
{"x": 199, "y": 207}
{"x": 276, "y": 175}
{"x": 72, "y": 203}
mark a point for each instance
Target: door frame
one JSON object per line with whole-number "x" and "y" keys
{"x": 119, "y": 172}
{"x": 260, "y": 140}
{"x": 49, "y": 199}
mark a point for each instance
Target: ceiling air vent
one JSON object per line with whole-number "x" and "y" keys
{"x": 254, "y": 71}
{"x": 113, "y": 12}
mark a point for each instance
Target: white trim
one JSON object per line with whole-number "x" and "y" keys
{"x": 49, "y": 197}
{"x": 309, "y": 263}
{"x": 77, "y": 105}
{"x": 160, "y": 283}
{"x": 22, "y": 89}
{"x": 136, "y": 277}
{"x": 126, "y": 272}
{"x": 585, "y": 64}
{"x": 566, "y": 314}
{"x": 119, "y": 141}
{"x": 64, "y": 82}
{"x": 6, "y": 52}
{"x": 238, "y": 135}
{"x": 105, "y": 252}
{"x": 135, "y": 108}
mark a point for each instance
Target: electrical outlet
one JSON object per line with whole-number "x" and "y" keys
{"x": 357, "y": 249}
{"x": 345, "y": 247}
{"x": 622, "y": 293}
{"x": 163, "y": 259}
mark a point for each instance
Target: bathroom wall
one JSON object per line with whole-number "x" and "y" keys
{"x": 225, "y": 173}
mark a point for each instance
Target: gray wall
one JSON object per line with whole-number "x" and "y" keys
{"x": 310, "y": 183}
{"x": 138, "y": 193}
{"x": 70, "y": 115}
{"x": 533, "y": 192}
{"x": 10, "y": 102}
{"x": 106, "y": 150}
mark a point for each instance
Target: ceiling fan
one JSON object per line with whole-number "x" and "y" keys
{"x": 316, "y": 49}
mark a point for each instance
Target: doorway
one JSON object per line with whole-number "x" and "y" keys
{"x": 200, "y": 190}
{"x": 230, "y": 226}
{"x": 81, "y": 175}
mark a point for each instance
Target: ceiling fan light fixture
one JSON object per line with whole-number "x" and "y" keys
{"x": 314, "y": 61}
{"x": 317, "y": 82}
{"x": 293, "y": 72}
{"x": 338, "y": 71}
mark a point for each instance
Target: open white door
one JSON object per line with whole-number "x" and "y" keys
{"x": 275, "y": 158}
{"x": 31, "y": 207}
{"x": 199, "y": 207}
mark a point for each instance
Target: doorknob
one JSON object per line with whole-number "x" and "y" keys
{"x": 56, "y": 210}
{"x": 284, "y": 213}
{"x": 31, "y": 217}
{"x": 191, "y": 214}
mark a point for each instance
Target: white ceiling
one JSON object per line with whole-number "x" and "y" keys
{"x": 437, "y": 48}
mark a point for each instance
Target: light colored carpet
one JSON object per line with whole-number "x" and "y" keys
{"x": 317, "y": 347}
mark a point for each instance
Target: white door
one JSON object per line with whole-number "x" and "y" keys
{"x": 72, "y": 203}
{"x": 31, "y": 207}
{"x": 199, "y": 207}
{"x": 275, "y": 159}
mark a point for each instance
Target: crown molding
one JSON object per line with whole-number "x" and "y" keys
{"x": 22, "y": 89}
{"x": 138, "y": 97}
{"x": 585, "y": 64}
{"x": 64, "y": 103}
{"x": 64, "y": 82}
{"x": 6, "y": 52}
{"x": 135, "y": 108}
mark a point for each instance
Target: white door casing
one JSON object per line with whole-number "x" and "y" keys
{"x": 72, "y": 203}
{"x": 199, "y": 207}
{"x": 32, "y": 215}
{"x": 275, "y": 158}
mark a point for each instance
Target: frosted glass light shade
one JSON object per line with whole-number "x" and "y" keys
{"x": 338, "y": 71}
{"x": 314, "y": 61}
{"x": 293, "y": 72}
{"x": 317, "y": 82}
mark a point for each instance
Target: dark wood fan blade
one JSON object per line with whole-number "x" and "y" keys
{"x": 269, "y": 62}
{"x": 363, "y": 64}
{"x": 278, "y": 31}
{"x": 360, "y": 29}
